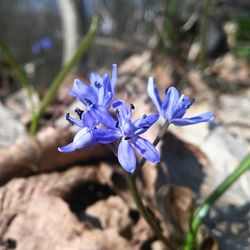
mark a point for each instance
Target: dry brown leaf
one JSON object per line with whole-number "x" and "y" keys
{"x": 175, "y": 205}
{"x": 31, "y": 155}
{"x": 112, "y": 213}
{"x": 47, "y": 223}
{"x": 231, "y": 69}
{"x": 45, "y": 211}
{"x": 209, "y": 243}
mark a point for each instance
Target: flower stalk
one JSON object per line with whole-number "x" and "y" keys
{"x": 144, "y": 212}
{"x": 190, "y": 240}
{"x": 130, "y": 179}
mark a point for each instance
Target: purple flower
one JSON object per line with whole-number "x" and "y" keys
{"x": 123, "y": 130}
{"x": 128, "y": 132}
{"x": 44, "y": 44}
{"x": 83, "y": 139}
{"x": 174, "y": 106}
{"x": 96, "y": 96}
{"x": 98, "y": 126}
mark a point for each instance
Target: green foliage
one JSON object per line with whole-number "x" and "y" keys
{"x": 80, "y": 51}
{"x": 242, "y": 47}
{"x": 19, "y": 73}
{"x": 190, "y": 241}
{"x": 50, "y": 94}
{"x": 170, "y": 28}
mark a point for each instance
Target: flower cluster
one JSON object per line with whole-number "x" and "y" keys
{"x": 97, "y": 125}
{"x": 174, "y": 106}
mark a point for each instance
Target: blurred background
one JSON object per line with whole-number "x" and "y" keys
{"x": 201, "y": 47}
{"x": 43, "y": 34}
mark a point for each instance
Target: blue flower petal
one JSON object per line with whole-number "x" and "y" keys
{"x": 126, "y": 156}
{"x": 106, "y": 135}
{"x": 83, "y": 92}
{"x": 123, "y": 111}
{"x": 144, "y": 123}
{"x": 154, "y": 94}
{"x": 146, "y": 149}
{"x": 105, "y": 94}
{"x": 103, "y": 116}
{"x": 113, "y": 78}
{"x": 101, "y": 94}
{"x": 169, "y": 103}
{"x": 84, "y": 139}
{"x": 89, "y": 119}
{"x": 68, "y": 148}
{"x": 108, "y": 100}
{"x": 193, "y": 120}
{"x": 95, "y": 80}
{"x": 74, "y": 121}
{"x": 181, "y": 107}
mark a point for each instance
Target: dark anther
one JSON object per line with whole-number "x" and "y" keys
{"x": 88, "y": 101}
{"x": 117, "y": 111}
{"x": 166, "y": 90}
{"x": 69, "y": 119}
{"x": 191, "y": 103}
{"x": 79, "y": 112}
{"x": 127, "y": 138}
{"x": 117, "y": 124}
{"x": 145, "y": 127}
{"x": 132, "y": 106}
{"x": 97, "y": 84}
{"x": 144, "y": 116}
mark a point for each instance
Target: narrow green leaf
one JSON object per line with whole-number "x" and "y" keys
{"x": 190, "y": 241}
{"x": 84, "y": 45}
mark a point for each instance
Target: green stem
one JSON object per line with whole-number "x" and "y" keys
{"x": 203, "y": 32}
{"x": 190, "y": 240}
{"x": 84, "y": 45}
{"x": 144, "y": 212}
{"x": 20, "y": 74}
{"x": 137, "y": 199}
{"x": 170, "y": 34}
